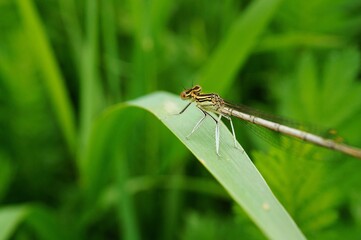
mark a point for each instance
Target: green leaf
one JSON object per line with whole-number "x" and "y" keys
{"x": 10, "y": 218}
{"x": 340, "y": 91}
{"x": 313, "y": 191}
{"x": 40, "y": 219}
{"x": 310, "y": 197}
{"x": 49, "y": 69}
{"x": 234, "y": 49}
{"x": 233, "y": 169}
{"x": 91, "y": 96}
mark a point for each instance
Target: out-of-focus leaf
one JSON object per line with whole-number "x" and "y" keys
{"x": 41, "y": 220}
{"x": 219, "y": 71}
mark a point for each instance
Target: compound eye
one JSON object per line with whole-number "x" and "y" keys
{"x": 183, "y": 95}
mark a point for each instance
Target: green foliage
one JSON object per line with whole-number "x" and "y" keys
{"x": 312, "y": 197}
{"x": 41, "y": 220}
{"x": 223, "y": 65}
{"x": 73, "y": 165}
{"x": 211, "y": 227}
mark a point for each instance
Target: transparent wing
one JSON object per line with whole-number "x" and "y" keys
{"x": 307, "y": 127}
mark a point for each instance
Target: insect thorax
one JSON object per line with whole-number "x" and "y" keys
{"x": 210, "y": 102}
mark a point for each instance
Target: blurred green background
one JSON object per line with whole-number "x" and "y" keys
{"x": 63, "y": 62}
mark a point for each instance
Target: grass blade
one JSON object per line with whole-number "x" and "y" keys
{"x": 234, "y": 49}
{"x": 51, "y": 74}
{"x": 10, "y": 218}
{"x": 234, "y": 170}
{"x": 40, "y": 219}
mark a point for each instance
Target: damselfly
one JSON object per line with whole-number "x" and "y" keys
{"x": 213, "y": 103}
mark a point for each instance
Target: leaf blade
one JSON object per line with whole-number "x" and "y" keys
{"x": 234, "y": 170}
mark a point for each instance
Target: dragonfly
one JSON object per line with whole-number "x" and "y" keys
{"x": 209, "y": 103}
